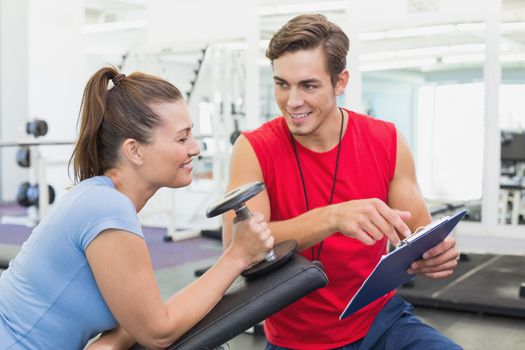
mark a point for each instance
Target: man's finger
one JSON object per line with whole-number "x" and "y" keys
{"x": 386, "y": 228}
{"x": 395, "y": 217}
{"x": 363, "y": 237}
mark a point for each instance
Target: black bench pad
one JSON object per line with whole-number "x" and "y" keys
{"x": 248, "y": 302}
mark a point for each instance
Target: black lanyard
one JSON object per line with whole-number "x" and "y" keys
{"x": 333, "y": 183}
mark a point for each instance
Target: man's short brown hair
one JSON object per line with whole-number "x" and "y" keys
{"x": 307, "y": 32}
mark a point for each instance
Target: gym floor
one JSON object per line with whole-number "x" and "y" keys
{"x": 470, "y": 330}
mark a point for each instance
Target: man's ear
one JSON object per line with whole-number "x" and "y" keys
{"x": 132, "y": 150}
{"x": 342, "y": 81}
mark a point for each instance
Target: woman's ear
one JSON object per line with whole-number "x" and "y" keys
{"x": 132, "y": 150}
{"x": 342, "y": 81}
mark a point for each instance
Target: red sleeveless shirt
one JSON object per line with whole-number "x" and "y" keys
{"x": 366, "y": 167}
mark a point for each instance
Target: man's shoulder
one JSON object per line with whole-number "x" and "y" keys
{"x": 275, "y": 124}
{"x": 367, "y": 125}
{"x": 272, "y": 128}
{"x": 368, "y": 120}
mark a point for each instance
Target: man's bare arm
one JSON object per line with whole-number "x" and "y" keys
{"x": 367, "y": 220}
{"x": 306, "y": 229}
{"x": 404, "y": 194}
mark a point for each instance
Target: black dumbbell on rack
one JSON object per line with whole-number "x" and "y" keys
{"x": 37, "y": 128}
{"x": 23, "y": 157}
{"x": 29, "y": 195}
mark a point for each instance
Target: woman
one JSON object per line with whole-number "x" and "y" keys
{"x": 86, "y": 269}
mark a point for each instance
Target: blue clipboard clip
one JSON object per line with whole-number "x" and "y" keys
{"x": 422, "y": 231}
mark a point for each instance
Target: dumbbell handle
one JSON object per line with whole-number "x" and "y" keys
{"x": 243, "y": 213}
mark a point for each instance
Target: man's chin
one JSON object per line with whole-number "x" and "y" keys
{"x": 297, "y": 130}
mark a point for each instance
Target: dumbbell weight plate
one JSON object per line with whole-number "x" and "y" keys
{"x": 28, "y": 195}
{"x": 235, "y": 198}
{"x": 21, "y": 196}
{"x": 23, "y": 157}
{"x": 234, "y": 136}
{"x": 283, "y": 251}
{"x": 51, "y": 195}
{"x": 37, "y": 128}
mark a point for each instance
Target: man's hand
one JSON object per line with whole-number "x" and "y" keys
{"x": 438, "y": 262}
{"x": 370, "y": 220}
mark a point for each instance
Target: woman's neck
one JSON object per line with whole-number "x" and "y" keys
{"x": 129, "y": 184}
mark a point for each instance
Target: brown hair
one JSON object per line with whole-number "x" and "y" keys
{"x": 110, "y": 116}
{"x": 306, "y": 32}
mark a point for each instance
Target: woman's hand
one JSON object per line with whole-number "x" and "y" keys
{"x": 252, "y": 239}
{"x": 115, "y": 339}
{"x": 104, "y": 342}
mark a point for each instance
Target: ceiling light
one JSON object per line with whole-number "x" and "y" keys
{"x": 397, "y": 65}
{"x": 467, "y": 47}
{"x": 424, "y": 51}
{"x": 513, "y": 58}
{"x": 418, "y": 31}
{"x": 465, "y": 27}
{"x": 372, "y": 36}
{"x": 463, "y": 58}
{"x": 441, "y": 29}
{"x": 377, "y": 56}
{"x": 236, "y": 46}
{"x": 304, "y": 7}
{"x": 514, "y": 26}
{"x": 114, "y": 26}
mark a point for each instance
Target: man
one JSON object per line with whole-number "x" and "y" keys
{"x": 342, "y": 184}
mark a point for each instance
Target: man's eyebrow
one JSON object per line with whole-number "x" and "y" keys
{"x": 302, "y": 82}
{"x": 309, "y": 81}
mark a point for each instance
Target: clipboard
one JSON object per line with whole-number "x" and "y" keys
{"x": 390, "y": 272}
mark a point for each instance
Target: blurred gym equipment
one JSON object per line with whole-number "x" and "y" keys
{"x": 481, "y": 283}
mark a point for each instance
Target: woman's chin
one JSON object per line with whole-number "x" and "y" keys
{"x": 186, "y": 181}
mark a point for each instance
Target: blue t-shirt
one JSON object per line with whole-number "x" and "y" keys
{"x": 48, "y": 296}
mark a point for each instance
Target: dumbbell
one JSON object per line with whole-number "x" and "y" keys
{"x": 234, "y": 136}
{"x": 23, "y": 157}
{"x": 236, "y": 132}
{"x": 28, "y": 195}
{"x": 235, "y": 200}
{"x": 36, "y": 128}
